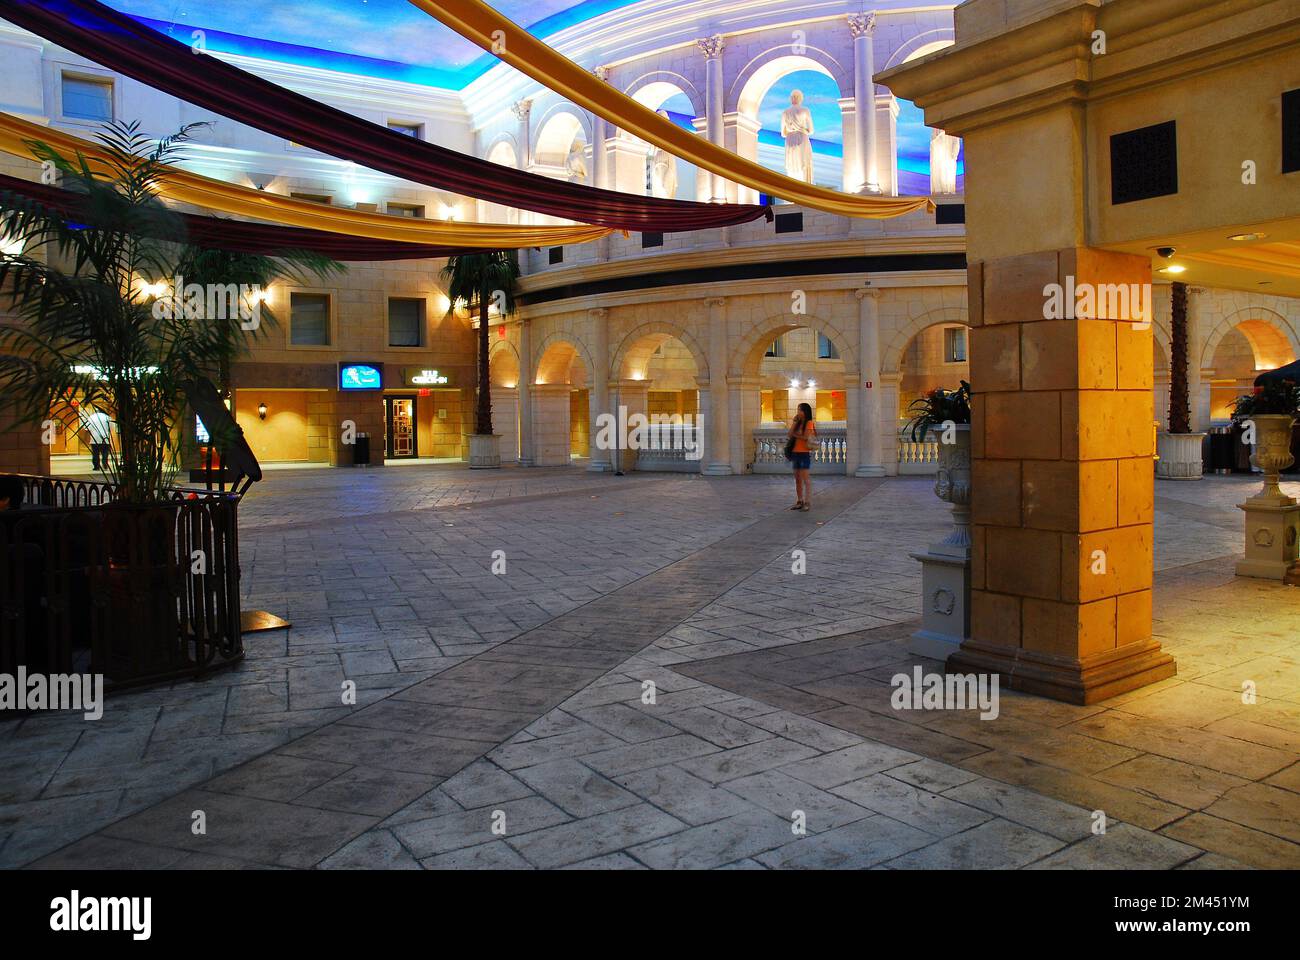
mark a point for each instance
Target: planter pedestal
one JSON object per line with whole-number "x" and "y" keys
{"x": 1272, "y": 518}
{"x": 484, "y": 451}
{"x": 945, "y": 567}
{"x": 1180, "y": 456}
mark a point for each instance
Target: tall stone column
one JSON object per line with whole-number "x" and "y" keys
{"x": 522, "y": 110}
{"x": 745, "y": 403}
{"x": 869, "y": 426}
{"x": 599, "y": 134}
{"x": 719, "y": 455}
{"x": 526, "y": 455}
{"x": 712, "y": 48}
{"x": 634, "y": 396}
{"x": 598, "y": 390}
{"x": 863, "y": 27}
{"x": 889, "y": 386}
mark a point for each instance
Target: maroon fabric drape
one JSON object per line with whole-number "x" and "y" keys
{"x": 242, "y": 236}
{"x": 116, "y": 41}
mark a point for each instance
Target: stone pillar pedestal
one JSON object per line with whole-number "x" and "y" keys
{"x": 1062, "y": 482}
{"x": 1272, "y": 531}
{"x": 1180, "y": 456}
{"x": 632, "y": 396}
{"x": 945, "y": 604}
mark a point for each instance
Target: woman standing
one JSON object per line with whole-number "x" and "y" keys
{"x": 803, "y": 433}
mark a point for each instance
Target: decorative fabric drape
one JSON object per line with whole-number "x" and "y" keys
{"x": 478, "y": 22}
{"x": 241, "y": 236}
{"x": 17, "y": 137}
{"x": 120, "y": 43}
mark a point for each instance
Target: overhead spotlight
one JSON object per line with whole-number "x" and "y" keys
{"x": 1248, "y": 236}
{"x": 261, "y": 411}
{"x": 1174, "y": 269}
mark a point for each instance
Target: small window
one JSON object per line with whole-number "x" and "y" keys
{"x": 309, "y": 319}
{"x": 405, "y": 322}
{"x": 777, "y": 349}
{"x": 87, "y": 99}
{"x": 652, "y": 239}
{"x": 825, "y": 349}
{"x": 954, "y": 345}
{"x": 556, "y": 255}
{"x": 415, "y": 130}
{"x": 313, "y": 197}
{"x": 413, "y": 210}
{"x": 789, "y": 222}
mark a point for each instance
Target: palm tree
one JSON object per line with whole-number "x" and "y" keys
{"x": 91, "y": 299}
{"x": 480, "y": 281}
{"x": 1179, "y": 411}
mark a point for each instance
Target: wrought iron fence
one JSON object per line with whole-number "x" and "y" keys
{"x": 139, "y": 593}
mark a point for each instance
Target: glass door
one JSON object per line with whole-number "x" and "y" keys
{"x": 399, "y": 416}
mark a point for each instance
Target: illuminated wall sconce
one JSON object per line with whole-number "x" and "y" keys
{"x": 794, "y": 384}
{"x": 450, "y": 212}
{"x": 812, "y": 384}
{"x": 261, "y": 411}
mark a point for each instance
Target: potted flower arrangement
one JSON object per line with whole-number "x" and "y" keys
{"x": 1269, "y": 412}
{"x": 947, "y": 414}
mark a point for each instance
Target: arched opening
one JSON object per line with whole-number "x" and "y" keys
{"x": 766, "y": 95}
{"x": 660, "y": 377}
{"x": 561, "y": 148}
{"x": 666, "y": 175}
{"x": 1248, "y": 349}
{"x": 915, "y": 140}
{"x": 561, "y": 410}
{"x": 503, "y": 375}
{"x": 792, "y": 364}
{"x": 936, "y": 357}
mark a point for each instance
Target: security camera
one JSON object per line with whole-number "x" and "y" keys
{"x": 1166, "y": 252}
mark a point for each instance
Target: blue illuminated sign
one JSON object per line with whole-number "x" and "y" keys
{"x": 361, "y": 376}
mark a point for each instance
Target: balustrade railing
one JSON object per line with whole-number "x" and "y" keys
{"x": 917, "y": 457}
{"x": 831, "y": 456}
{"x": 670, "y": 447}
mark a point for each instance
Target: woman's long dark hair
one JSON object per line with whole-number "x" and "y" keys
{"x": 807, "y": 412}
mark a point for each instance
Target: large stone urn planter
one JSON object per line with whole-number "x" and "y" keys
{"x": 945, "y": 567}
{"x": 1180, "y": 456}
{"x": 1272, "y": 518}
{"x": 484, "y": 451}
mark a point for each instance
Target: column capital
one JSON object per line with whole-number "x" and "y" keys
{"x": 597, "y": 313}
{"x": 861, "y": 24}
{"x": 712, "y": 46}
{"x": 712, "y": 302}
{"x": 521, "y": 109}
{"x": 866, "y": 293}
{"x": 601, "y": 73}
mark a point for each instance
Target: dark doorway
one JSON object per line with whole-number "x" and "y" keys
{"x": 401, "y": 441}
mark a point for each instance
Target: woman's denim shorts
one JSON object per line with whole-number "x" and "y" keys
{"x": 801, "y": 461}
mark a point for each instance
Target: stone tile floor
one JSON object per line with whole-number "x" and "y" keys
{"x": 502, "y": 720}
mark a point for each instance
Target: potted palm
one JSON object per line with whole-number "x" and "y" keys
{"x": 1179, "y": 449}
{"x": 481, "y": 281}
{"x": 150, "y": 573}
{"x": 1267, "y": 415}
{"x": 946, "y": 414}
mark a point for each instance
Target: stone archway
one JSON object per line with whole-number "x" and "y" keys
{"x": 503, "y": 378}
{"x": 560, "y": 399}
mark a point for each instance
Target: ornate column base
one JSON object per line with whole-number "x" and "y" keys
{"x": 1084, "y": 681}
{"x": 1272, "y": 531}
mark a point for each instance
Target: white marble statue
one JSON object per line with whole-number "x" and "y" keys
{"x": 943, "y": 162}
{"x": 663, "y": 170}
{"x": 577, "y": 163}
{"x": 797, "y": 128}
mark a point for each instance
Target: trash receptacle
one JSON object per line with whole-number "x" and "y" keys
{"x": 361, "y": 450}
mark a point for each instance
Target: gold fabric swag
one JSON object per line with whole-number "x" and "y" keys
{"x": 478, "y": 22}
{"x": 17, "y": 136}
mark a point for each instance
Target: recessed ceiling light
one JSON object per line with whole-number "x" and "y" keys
{"x": 1174, "y": 268}
{"x": 1248, "y": 236}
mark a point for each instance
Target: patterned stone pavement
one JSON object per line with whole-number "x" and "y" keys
{"x": 507, "y": 721}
